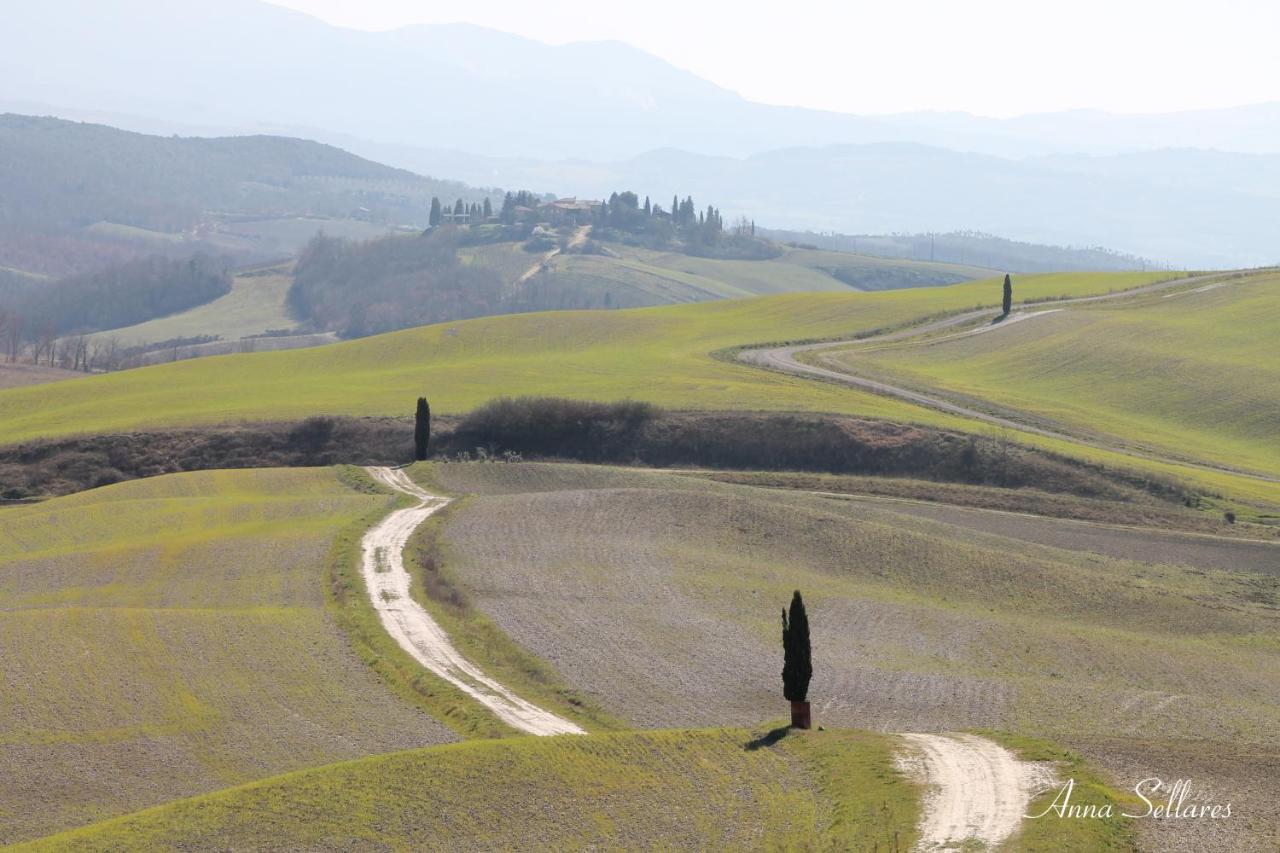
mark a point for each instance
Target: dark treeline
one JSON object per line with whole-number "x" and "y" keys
{"x": 363, "y": 288}
{"x": 34, "y": 314}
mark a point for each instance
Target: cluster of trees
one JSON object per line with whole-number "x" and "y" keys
{"x": 474, "y": 212}
{"x": 683, "y": 226}
{"x": 364, "y": 288}
{"x": 46, "y": 322}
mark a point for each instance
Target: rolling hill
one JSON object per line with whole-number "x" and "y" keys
{"x": 173, "y": 636}
{"x": 73, "y": 196}
{"x": 1191, "y": 373}
{"x": 241, "y": 666}
{"x": 1128, "y": 646}
{"x": 668, "y": 355}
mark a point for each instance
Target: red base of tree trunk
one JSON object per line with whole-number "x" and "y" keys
{"x": 800, "y": 718}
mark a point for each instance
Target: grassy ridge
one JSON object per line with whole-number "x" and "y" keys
{"x": 662, "y": 789}
{"x": 660, "y": 354}
{"x": 1196, "y": 374}
{"x": 171, "y": 636}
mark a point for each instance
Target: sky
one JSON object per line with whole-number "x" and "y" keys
{"x": 989, "y": 57}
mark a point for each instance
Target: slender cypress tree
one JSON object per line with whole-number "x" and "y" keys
{"x": 421, "y": 429}
{"x": 797, "y": 667}
{"x": 436, "y": 214}
{"x": 1008, "y": 294}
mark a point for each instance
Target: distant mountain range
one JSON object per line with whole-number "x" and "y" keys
{"x": 248, "y": 65}
{"x": 493, "y": 109}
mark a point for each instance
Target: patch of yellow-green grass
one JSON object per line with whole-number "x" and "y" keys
{"x": 636, "y": 790}
{"x": 256, "y": 304}
{"x": 171, "y": 636}
{"x": 1195, "y": 375}
{"x": 1100, "y": 825}
{"x": 870, "y": 803}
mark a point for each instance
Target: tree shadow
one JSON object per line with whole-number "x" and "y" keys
{"x": 768, "y": 739}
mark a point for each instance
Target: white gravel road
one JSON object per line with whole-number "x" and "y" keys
{"x": 382, "y": 565}
{"x": 977, "y": 790}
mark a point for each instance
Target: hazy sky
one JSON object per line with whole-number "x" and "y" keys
{"x": 992, "y": 57}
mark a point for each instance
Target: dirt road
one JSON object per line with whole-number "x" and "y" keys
{"x": 977, "y": 790}
{"x": 382, "y": 565}
{"x": 785, "y": 359}
{"x": 579, "y": 237}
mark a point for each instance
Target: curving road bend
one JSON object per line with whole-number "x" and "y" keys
{"x": 784, "y": 359}
{"x": 382, "y": 566}
{"x": 976, "y": 790}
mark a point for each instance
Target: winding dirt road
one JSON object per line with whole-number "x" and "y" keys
{"x": 977, "y": 790}
{"x": 382, "y": 566}
{"x": 785, "y": 359}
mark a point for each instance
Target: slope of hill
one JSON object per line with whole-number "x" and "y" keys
{"x": 255, "y": 305}
{"x": 1152, "y": 663}
{"x": 667, "y": 355}
{"x": 171, "y": 636}
{"x": 650, "y": 790}
{"x": 73, "y": 196}
{"x": 1193, "y": 373}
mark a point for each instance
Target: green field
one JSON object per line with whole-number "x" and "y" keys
{"x": 256, "y": 304}
{"x": 650, "y": 790}
{"x": 920, "y": 623}
{"x": 172, "y": 636}
{"x": 660, "y": 354}
{"x": 1194, "y": 375}
{"x": 666, "y": 355}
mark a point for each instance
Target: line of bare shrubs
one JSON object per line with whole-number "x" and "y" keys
{"x": 639, "y": 433}
{"x": 628, "y": 433}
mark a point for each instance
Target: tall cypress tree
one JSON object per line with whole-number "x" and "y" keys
{"x": 797, "y": 666}
{"x": 1008, "y": 294}
{"x": 436, "y": 214}
{"x": 421, "y": 429}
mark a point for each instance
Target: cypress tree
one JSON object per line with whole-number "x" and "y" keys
{"x": 436, "y": 214}
{"x": 797, "y": 666}
{"x": 1008, "y": 294}
{"x": 488, "y": 209}
{"x": 421, "y": 429}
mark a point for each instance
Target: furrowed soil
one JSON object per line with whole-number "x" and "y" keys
{"x": 657, "y": 595}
